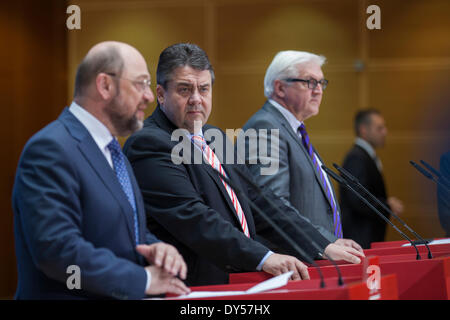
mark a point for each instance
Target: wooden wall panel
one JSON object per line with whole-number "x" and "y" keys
{"x": 413, "y": 28}
{"x": 33, "y": 93}
{"x": 404, "y": 72}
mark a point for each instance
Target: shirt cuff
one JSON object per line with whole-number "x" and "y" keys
{"x": 149, "y": 280}
{"x": 260, "y": 265}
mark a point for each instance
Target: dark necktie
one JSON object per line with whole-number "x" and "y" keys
{"x": 308, "y": 146}
{"x": 124, "y": 180}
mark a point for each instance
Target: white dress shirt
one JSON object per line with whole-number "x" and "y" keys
{"x": 370, "y": 150}
{"x": 295, "y": 123}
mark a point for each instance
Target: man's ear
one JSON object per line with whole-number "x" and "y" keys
{"x": 160, "y": 92}
{"x": 105, "y": 86}
{"x": 279, "y": 88}
{"x": 363, "y": 131}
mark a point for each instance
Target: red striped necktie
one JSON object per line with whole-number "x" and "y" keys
{"x": 215, "y": 163}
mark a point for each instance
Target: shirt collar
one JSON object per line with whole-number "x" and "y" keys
{"x": 291, "y": 119}
{"x": 95, "y": 127}
{"x": 366, "y": 146}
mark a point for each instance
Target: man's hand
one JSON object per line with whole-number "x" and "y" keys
{"x": 278, "y": 264}
{"x": 349, "y": 243}
{"x": 165, "y": 256}
{"x": 396, "y": 205}
{"x": 163, "y": 282}
{"x": 349, "y": 254}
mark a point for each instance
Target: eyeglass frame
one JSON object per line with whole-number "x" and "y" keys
{"x": 322, "y": 82}
{"x": 146, "y": 83}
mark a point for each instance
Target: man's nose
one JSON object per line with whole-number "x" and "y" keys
{"x": 195, "y": 97}
{"x": 148, "y": 95}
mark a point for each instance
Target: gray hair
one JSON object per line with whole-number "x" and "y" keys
{"x": 284, "y": 65}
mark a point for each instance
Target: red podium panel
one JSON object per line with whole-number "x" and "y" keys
{"x": 417, "y": 279}
{"x": 421, "y": 279}
{"x": 392, "y": 244}
{"x": 310, "y": 290}
{"x": 347, "y": 270}
{"x": 435, "y": 249}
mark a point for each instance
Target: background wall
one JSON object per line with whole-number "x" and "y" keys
{"x": 405, "y": 73}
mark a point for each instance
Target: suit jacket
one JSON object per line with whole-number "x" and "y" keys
{"x": 359, "y": 222}
{"x": 444, "y": 195}
{"x": 296, "y": 180}
{"x": 188, "y": 206}
{"x": 70, "y": 209}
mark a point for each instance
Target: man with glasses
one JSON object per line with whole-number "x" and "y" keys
{"x": 189, "y": 205}
{"x": 80, "y": 227}
{"x": 294, "y": 84}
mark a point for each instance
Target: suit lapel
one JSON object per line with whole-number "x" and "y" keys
{"x": 95, "y": 158}
{"x": 283, "y": 122}
{"x": 163, "y": 122}
{"x": 229, "y": 171}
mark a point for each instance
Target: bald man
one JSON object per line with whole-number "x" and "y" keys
{"x": 79, "y": 219}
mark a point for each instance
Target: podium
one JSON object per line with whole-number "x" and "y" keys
{"x": 355, "y": 285}
{"x": 389, "y": 272}
{"x": 425, "y": 279}
{"x": 353, "y": 289}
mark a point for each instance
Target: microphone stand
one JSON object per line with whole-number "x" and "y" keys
{"x": 273, "y": 205}
{"x": 345, "y": 184}
{"x": 350, "y": 177}
{"x": 437, "y": 173}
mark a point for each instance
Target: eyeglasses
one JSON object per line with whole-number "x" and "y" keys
{"x": 312, "y": 83}
{"x": 140, "y": 84}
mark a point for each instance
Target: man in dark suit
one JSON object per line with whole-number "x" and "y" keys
{"x": 444, "y": 194}
{"x": 187, "y": 202}
{"x": 79, "y": 220}
{"x": 359, "y": 222}
{"x": 294, "y": 84}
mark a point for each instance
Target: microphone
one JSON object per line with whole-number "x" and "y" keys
{"x": 286, "y": 237}
{"x": 347, "y": 175}
{"x": 429, "y": 175}
{"x": 437, "y": 173}
{"x": 273, "y": 205}
{"x": 348, "y": 186}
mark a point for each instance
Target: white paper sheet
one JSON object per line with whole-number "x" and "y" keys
{"x": 269, "y": 284}
{"x": 440, "y": 241}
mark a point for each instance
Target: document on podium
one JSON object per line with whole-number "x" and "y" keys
{"x": 269, "y": 284}
{"x": 440, "y": 241}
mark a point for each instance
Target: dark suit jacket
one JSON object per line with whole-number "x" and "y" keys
{"x": 360, "y": 223}
{"x": 69, "y": 209}
{"x": 296, "y": 179}
{"x": 444, "y": 195}
{"x": 188, "y": 206}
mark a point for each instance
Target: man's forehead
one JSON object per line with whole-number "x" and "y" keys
{"x": 136, "y": 68}
{"x": 186, "y": 74}
{"x": 310, "y": 69}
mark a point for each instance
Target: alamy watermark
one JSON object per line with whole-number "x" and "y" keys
{"x": 257, "y": 146}
{"x": 374, "y": 20}
{"x": 74, "y": 280}
{"x": 74, "y": 20}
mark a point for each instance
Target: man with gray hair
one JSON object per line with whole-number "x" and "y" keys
{"x": 190, "y": 206}
{"x": 294, "y": 85}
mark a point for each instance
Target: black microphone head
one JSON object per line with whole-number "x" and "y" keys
{"x": 430, "y": 168}
{"x": 421, "y": 170}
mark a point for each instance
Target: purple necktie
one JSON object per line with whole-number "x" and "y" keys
{"x": 308, "y": 146}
